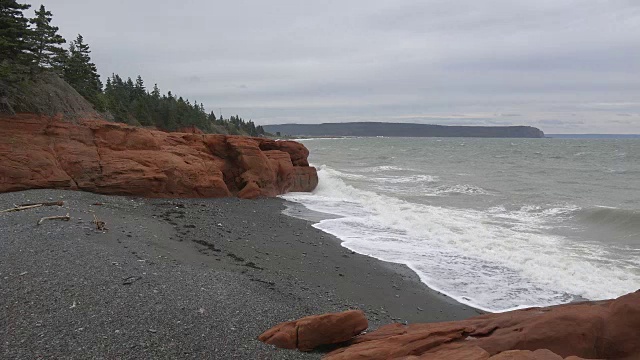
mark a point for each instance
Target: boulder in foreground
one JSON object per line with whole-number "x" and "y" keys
{"x": 312, "y": 331}
{"x": 591, "y": 330}
{"x": 109, "y": 158}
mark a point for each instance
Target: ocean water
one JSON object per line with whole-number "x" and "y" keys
{"x": 498, "y": 224}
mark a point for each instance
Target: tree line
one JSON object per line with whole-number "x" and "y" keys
{"x": 31, "y": 46}
{"x": 129, "y": 101}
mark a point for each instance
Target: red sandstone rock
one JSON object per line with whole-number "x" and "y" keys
{"x": 298, "y": 152}
{"x": 604, "y": 329}
{"x": 111, "y": 158}
{"x": 592, "y": 330}
{"x": 452, "y": 353}
{"x": 312, "y": 331}
{"x": 541, "y": 354}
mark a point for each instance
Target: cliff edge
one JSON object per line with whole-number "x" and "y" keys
{"x": 38, "y": 151}
{"x": 53, "y": 138}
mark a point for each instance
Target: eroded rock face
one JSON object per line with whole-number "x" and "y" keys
{"x": 109, "y": 158}
{"x": 312, "y": 331}
{"x": 592, "y": 330}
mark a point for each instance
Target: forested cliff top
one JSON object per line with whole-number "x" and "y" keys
{"x": 39, "y": 75}
{"x": 403, "y": 130}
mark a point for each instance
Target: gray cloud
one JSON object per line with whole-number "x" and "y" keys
{"x": 465, "y": 62}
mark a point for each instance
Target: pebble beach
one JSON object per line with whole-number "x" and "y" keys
{"x": 182, "y": 278}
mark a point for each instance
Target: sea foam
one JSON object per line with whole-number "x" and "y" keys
{"x": 494, "y": 259}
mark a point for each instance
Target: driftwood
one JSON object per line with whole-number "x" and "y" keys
{"x": 32, "y": 206}
{"x": 64, "y": 218}
{"x": 53, "y": 203}
{"x": 100, "y": 225}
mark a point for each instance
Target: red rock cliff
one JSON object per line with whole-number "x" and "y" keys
{"x": 110, "y": 158}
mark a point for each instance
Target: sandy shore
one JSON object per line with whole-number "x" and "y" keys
{"x": 188, "y": 278}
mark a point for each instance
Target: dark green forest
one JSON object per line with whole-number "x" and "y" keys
{"x": 31, "y": 46}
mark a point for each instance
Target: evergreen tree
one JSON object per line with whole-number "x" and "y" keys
{"x": 23, "y": 48}
{"x": 129, "y": 102}
{"x": 212, "y": 118}
{"x": 14, "y": 33}
{"x": 115, "y": 100}
{"x": 45, "y": 42}
{"x": 141, "y": 112}
{"x": 82, "y": 74}
{"x": 156, "y": 92}
{"x": 140, "y": 90}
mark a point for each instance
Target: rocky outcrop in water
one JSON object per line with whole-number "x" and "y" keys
{"x": 109, "y": 158}
{"x": 590, "y": 330}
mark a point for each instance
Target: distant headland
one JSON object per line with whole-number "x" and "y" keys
{"x": 403, "y": 130}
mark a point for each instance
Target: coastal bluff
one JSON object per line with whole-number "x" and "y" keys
{"x": 90, "y": 154}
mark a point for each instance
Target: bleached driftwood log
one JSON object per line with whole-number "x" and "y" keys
{"x": 64, "y": 218}
{"x": 32, "y": 206}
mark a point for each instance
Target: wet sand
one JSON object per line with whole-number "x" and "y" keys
{"x": 183, "y": 278}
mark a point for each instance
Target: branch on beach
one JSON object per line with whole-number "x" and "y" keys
{"x": 63, "y": 218}
{"x": 100, "y": 225}
{"x": 32, "y": 206}
{"x": 53, "y": 203}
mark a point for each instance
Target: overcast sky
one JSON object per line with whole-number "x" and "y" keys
{"x": 565, "y": 66}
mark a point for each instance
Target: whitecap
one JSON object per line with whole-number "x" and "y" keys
{"x": 469, "y": 254}
{"x": 465, "y": 189}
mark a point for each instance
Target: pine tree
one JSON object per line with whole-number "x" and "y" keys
{"x": 156, "y": 92}
{"x": 129, "y": 102}
{"x": 139, "y": 88}
{"x": 141, "y": 112}
{"x": 107, "y": 87}
{"x": 82, "y": 74}
{"x": 45, "y": 42}
{"x": 212, "y": 118}
{"x": 14, "y": 32}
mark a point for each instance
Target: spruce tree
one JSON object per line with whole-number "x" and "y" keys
{"x": 107, "y": 86}
{"x": 45, "y": 42}
{"x": 212, "y": 118}
{"x": 82, "y": 74}
{"x": 14, "y": 33}
{"x": 140, "y": 90}
{"x": 156, "y": 92}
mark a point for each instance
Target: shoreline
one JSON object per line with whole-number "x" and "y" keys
{"x": 184, "y": 277}
{"x": 405, "y": 270}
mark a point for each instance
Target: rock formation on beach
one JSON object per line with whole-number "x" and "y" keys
{"x": 310, "y": 332}
{"x": 38, "y": 151}
{"x": 591, "y": 330}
